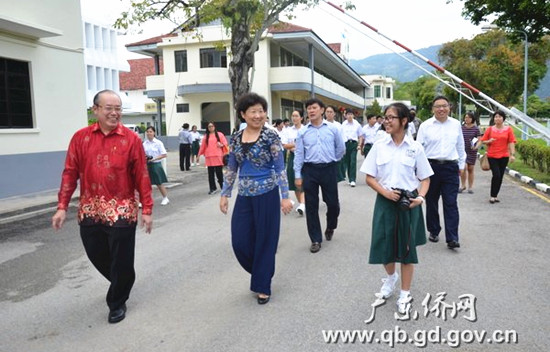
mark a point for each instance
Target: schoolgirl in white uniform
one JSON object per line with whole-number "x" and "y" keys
{"x": 398, "y": 170}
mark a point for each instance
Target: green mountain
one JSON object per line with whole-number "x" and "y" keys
{"x": 395, "y": 66}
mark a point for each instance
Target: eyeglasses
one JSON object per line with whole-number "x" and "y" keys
{"x": 390, "y": 117}
{"x": 442, "y": 106}
{"x": 110, "y": 108}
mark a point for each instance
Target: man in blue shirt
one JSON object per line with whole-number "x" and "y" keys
{"x": 318, "y": 148}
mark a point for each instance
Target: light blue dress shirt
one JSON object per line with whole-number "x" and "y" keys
{"x": 318, "y": 145}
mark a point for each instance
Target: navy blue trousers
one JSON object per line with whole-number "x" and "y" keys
{"x": 444, "y": 183}
{"x": 255, "y": 226}
{"x": 313, "y": 177}
{"x": 111, "y": 251}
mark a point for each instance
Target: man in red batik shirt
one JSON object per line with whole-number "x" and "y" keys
{"x": 110, "y": 162}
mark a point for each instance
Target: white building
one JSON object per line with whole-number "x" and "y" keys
{"x": 140, "y": 109}
{"x": 103, "y": 64}
{"x": 291, "y": 64}
{"x": 42, "y": 95}
{"x": 381, "y": 89}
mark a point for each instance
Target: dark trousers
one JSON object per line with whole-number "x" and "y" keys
{"x": 366, "y": 148}
{"x": 218, "y": 171}
{"x": 444, "y": 182}
{"x": 313, "y": 177}
{"x": 255, "y": 226}
{"x": 498, "y": 169}
{"x": 349, "y": 162}
{"x": 185, "y": 157}
{"x": 111, "y": 251}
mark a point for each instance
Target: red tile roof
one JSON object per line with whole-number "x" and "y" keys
{"x": 285, "y": 27}
{"x": 336, "y": 47}
{"x": 154, "y": 40}
{"x": 139, "y": 69}
{"x": 281, "y": 27}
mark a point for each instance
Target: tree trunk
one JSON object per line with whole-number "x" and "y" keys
{"x": 242, "y": 59}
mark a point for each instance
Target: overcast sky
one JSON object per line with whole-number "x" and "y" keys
{"x": 414, "y": 23}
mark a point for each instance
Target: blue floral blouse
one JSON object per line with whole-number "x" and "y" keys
{"x": 260, "y": 165}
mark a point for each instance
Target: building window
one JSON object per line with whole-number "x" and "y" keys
{"x": 180, "y": 57}
{"x": 388, "y": 92}
{"x": 211, "y": 57}
{"x": 377, "y": 91}
{"x": 182, "y": 107}
{"x": 15, "y": 94}
{"x": 289, "y": 59}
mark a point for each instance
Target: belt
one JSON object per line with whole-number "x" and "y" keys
{"x": 368, "y": 143}
{"x": 320, "y": 165}
{"x": 438, "y": 161}
{"x": 351, "y": 140}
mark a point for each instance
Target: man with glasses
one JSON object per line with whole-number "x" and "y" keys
{"x": 110, "y": 163}
{"x": 441, "y": 136}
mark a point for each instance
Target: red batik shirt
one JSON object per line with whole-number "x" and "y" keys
{"x": 110, "y": 168}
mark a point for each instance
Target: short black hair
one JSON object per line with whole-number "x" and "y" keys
{"x": 250, "y": 99}
{"x": 441, "y": 97}
{"x": 185, "y": 126}
{"x": 349, "y": 111}
{"x": 313, "y": 101}
{"x": 151, "y": 128}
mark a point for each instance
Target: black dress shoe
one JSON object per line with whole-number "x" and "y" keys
{"x": 263, "y": 300}
{"x": 453, "y": 244}
{"x": 434, "y": 238}
{"x": 315, "y": 247}
{"x": 329, "y": 233}
{"x": 117, "y": 315}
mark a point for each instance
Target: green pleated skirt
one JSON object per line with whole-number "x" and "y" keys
{"x": 156, "y": 173}
{"x": 395, "y": 233}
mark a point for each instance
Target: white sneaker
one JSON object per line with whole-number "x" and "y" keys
{"x": 301, "y": 209}
{"x": 403, "y": 304}
{"x": 388, "y": 286}
{"x": 352, "y": 183}
{"x": 140, "y": 205}
{"x": 192, "y": 164}
{"x": 165, "y": 201}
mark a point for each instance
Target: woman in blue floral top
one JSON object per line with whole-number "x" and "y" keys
{"x": 256, "y": 153}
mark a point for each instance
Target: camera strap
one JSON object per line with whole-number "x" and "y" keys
{"x": 396, "y": 236}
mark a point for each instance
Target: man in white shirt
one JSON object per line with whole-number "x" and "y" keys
{"x": 353, "y": 137}
{"x": 330, "y": 114}
{"x": 441, "y": 137}
{"x": 369, "y": 134}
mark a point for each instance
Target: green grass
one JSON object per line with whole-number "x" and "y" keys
{"x": 524, "y": 169}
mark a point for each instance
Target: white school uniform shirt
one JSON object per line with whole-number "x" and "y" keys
{"x": 351, "y": 130}
{"x": 369, "y": 133}
{"x": 154, "y": 148}
{"x": 397, "y": 166}
{"x": 290, "y": 134}
{"x": 442, "y": 141}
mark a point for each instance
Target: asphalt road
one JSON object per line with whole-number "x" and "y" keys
{"x": 192, "y": 295}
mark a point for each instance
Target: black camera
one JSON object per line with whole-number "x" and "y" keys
{"x": 404, "y": 201}
{"x": 149, "y": 157}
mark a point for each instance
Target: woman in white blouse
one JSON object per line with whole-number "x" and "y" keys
{"x": 155, "y": 152}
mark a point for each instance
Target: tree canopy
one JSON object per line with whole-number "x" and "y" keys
{"x": 531, "y": 16}
{"x": 494, "y": 64}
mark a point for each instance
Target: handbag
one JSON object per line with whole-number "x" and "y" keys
{"x": 484, "y": 161}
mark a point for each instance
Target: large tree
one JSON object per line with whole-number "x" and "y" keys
{"x": 247, "y": 21}
{"x": 531, "y": 16}
{"x": 494, "y": 64}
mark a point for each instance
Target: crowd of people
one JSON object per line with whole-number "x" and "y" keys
{"x": 407, "y": 163}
